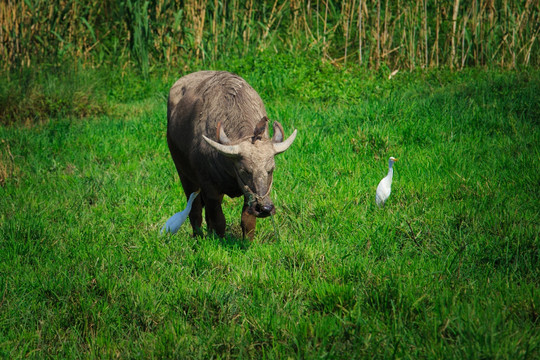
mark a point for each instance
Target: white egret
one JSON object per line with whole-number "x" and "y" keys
{"x": 385, "y": 186}
{"x": 173, "y": 224}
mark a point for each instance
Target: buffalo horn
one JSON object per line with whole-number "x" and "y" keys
{"x": 222, "y": 137}
{"x": 282, "y": 146}
{"x": 228, "y": 150}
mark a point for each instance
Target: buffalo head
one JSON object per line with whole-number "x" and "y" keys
{"x": 253, "y": 159}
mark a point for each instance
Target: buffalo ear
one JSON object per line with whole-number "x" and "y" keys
{"x": 221, "y": 136}
{"x": 278, "y": 132}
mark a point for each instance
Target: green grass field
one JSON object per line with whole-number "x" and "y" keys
{"x": 448, "y": 269}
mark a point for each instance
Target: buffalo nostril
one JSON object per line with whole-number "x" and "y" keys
{"x": 267, "y": 208}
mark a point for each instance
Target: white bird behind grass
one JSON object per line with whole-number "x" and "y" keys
{"x": 385, "y": 186}
{"x": 173, "y": 224}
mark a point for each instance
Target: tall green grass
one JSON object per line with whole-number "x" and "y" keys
{"x": 448, "y": 269}
{"x": 36, "y": 95}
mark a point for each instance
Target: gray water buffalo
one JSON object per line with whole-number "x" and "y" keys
{"x": 217, "y": 132}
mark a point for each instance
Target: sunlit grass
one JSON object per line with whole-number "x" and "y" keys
{"x": 448, "y": 269}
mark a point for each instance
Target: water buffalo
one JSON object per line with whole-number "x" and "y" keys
{"x": 217, "y": 132}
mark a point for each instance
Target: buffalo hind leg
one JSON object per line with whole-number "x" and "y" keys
{"x": 248, "y": 223}
{"x": 195, "y": 215}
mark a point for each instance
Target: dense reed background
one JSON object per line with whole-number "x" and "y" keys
{"x": 449, "y": 269}
{"x": 399, "y": 34}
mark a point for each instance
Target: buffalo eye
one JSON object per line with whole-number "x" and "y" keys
{"x": 244, "y": 173}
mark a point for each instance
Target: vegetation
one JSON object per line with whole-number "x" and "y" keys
{"x": 405, "y": 34}
{"x": 65, "y": 57}
{"x": 448, "y": 269}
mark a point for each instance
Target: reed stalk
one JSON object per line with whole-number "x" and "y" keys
{"x": 360, "y": 32}
{"x": 454, "y": 26}
{"x": 426, "y": 50}
{"x": 378, "y": 54}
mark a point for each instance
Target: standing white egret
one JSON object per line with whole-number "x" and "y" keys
{"x": 385, "y": 186}
{"x": 173, "y": 224}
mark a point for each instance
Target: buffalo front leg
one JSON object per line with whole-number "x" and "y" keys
{"x": 214, "y": 216}
{"x": 248, "y": 223}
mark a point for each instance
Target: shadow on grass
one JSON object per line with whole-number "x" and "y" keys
{"x": 233, "y": 239}
{"x": 232, "y": 242}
